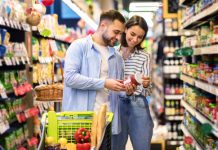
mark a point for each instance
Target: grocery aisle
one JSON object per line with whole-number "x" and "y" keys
{"x": 182, "y": 41}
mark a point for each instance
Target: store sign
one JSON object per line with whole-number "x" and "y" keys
{"x": 170, "y": 8}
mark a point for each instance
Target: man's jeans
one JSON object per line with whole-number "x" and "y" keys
{"x": 136, "y": 122}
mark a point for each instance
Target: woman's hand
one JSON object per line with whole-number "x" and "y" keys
{"x": 145, "y": 81}
{"x": 130, "y": 89}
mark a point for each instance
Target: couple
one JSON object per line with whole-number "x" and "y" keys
{"x": 93, "y": 69}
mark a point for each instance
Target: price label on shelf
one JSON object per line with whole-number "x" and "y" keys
{"x": 26, "y": 27}
{"x": 13, "y": 61}
{"x": 7, "y": 22}
{"x": 40, "y": 82}
{"x": 4, "y": 95}
{"x": 23, "y": 60}
{"x": 28, "y": 60}
{"x": 15, "y": 24}
{"x": 41, "y": 108}
{"x": 53, "y": 45}
{"x": 19, "y": 25}
{"x": 216, "y": 91}
{"x": 17, "y": 60}
{"x": 43, "y": 60}
{"x": 45, "y": 105}
{"x": 45, "y": 82}
{"x": 6, "y": 61}
{"x": 11, "y": 23}
{"x": 2, "y": 22}
{"x": 39, "y": 58}
{"x": 49, "y": 81}
{"x": 48, "y": 60}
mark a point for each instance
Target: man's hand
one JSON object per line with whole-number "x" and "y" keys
{"x": 145, "y": 81}
{"x": 114, "y": 85}
{"x": 130, "y": 89}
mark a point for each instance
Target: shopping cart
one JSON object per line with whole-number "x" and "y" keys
{"x": 65, "y": 124}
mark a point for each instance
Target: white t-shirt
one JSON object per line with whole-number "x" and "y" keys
{"x": 102, "y": 94}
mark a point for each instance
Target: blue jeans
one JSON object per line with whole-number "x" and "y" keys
{"x": 136, "y": 122}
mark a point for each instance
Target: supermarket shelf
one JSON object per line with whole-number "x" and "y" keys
{"x": 199, "y": 117}
{"x": 187, "y": 133}
{"x": 14, "y": 61}
{"x": 174, "y": 142}
{"x": 206, "y": 50}
{"x": 173, "y": 97}
{"x": 12, "y": 24}
{"x": 201, "y": 85}
{"x": 174, "y": 118}
{"x": 187, "y": 79}
{"x": 207, "y": 87}
{"x": 171, "y": 75}
{"x": 37, "y": 34}
{"x": 187, "y": 2}
{"x": 172, "y": 33}
{"x": 211, "y": 10}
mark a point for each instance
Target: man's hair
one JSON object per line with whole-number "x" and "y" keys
{"x": 134, "y": 21}
{"x": 112, "y": 15}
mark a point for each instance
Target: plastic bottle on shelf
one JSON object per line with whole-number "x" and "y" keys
{"x": 171, "y": 48}
{"x": 167, "y": 89}
{"x": 166, "y": 48}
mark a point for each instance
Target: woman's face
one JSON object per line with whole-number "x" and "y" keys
{"x": 134, "y": 35}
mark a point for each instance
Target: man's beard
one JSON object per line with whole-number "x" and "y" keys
{"x": 107, "y": 40}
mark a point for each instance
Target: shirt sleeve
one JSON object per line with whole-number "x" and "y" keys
{"x": 72, "y": 69}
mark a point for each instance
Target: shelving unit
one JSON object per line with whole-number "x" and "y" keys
{"x": 194, "y": 83}
{"x": 167, "y": 69}
{"x": 200, "y": 84}
{"x": 200, "y": 117}
{"x": 10, "y": 66}
{"x": 202, "y": 16}
{"x": 187, "y": 133}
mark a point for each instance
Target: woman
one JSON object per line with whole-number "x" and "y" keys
{"x": 135, "y": 116}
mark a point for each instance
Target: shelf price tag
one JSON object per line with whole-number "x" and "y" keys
{"x": 4, "y": 95}
{"x": 2, "y": 22}
{"x": 49, "y": 81}
{"x": 2, "y": 92}
{"x": 15, "y": 24}
{"x": 23, "y": 60}
{"x": 19, "y": 25}
{"x": 11, "y": 23}
{"x": 17, "y": 60}
{"x": 7, "y": 22}
{"x": 26, "y": 27}
{"x": 53, "y": 45}
{"x": 6, "y": 61}
{"x": 40, "y": 82}
{"x": 28, "y": 60}
{"x": 13, "y": 61}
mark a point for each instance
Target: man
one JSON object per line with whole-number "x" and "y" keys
{"x": 92, "y": 68}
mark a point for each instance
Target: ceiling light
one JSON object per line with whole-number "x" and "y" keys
{"x": 82, "y": 14}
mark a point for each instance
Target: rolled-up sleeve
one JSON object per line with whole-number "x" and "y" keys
{"x": 72, "y": 76}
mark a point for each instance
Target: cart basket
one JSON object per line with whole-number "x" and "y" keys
{"x": 65, "y": 124}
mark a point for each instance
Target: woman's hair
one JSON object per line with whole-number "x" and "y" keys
{"x": 133, "y": 21}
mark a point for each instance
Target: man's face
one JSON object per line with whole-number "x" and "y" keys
{"x": 112, "y": 32}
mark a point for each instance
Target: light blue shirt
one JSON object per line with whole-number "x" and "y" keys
{"x": 81, "y": 78}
